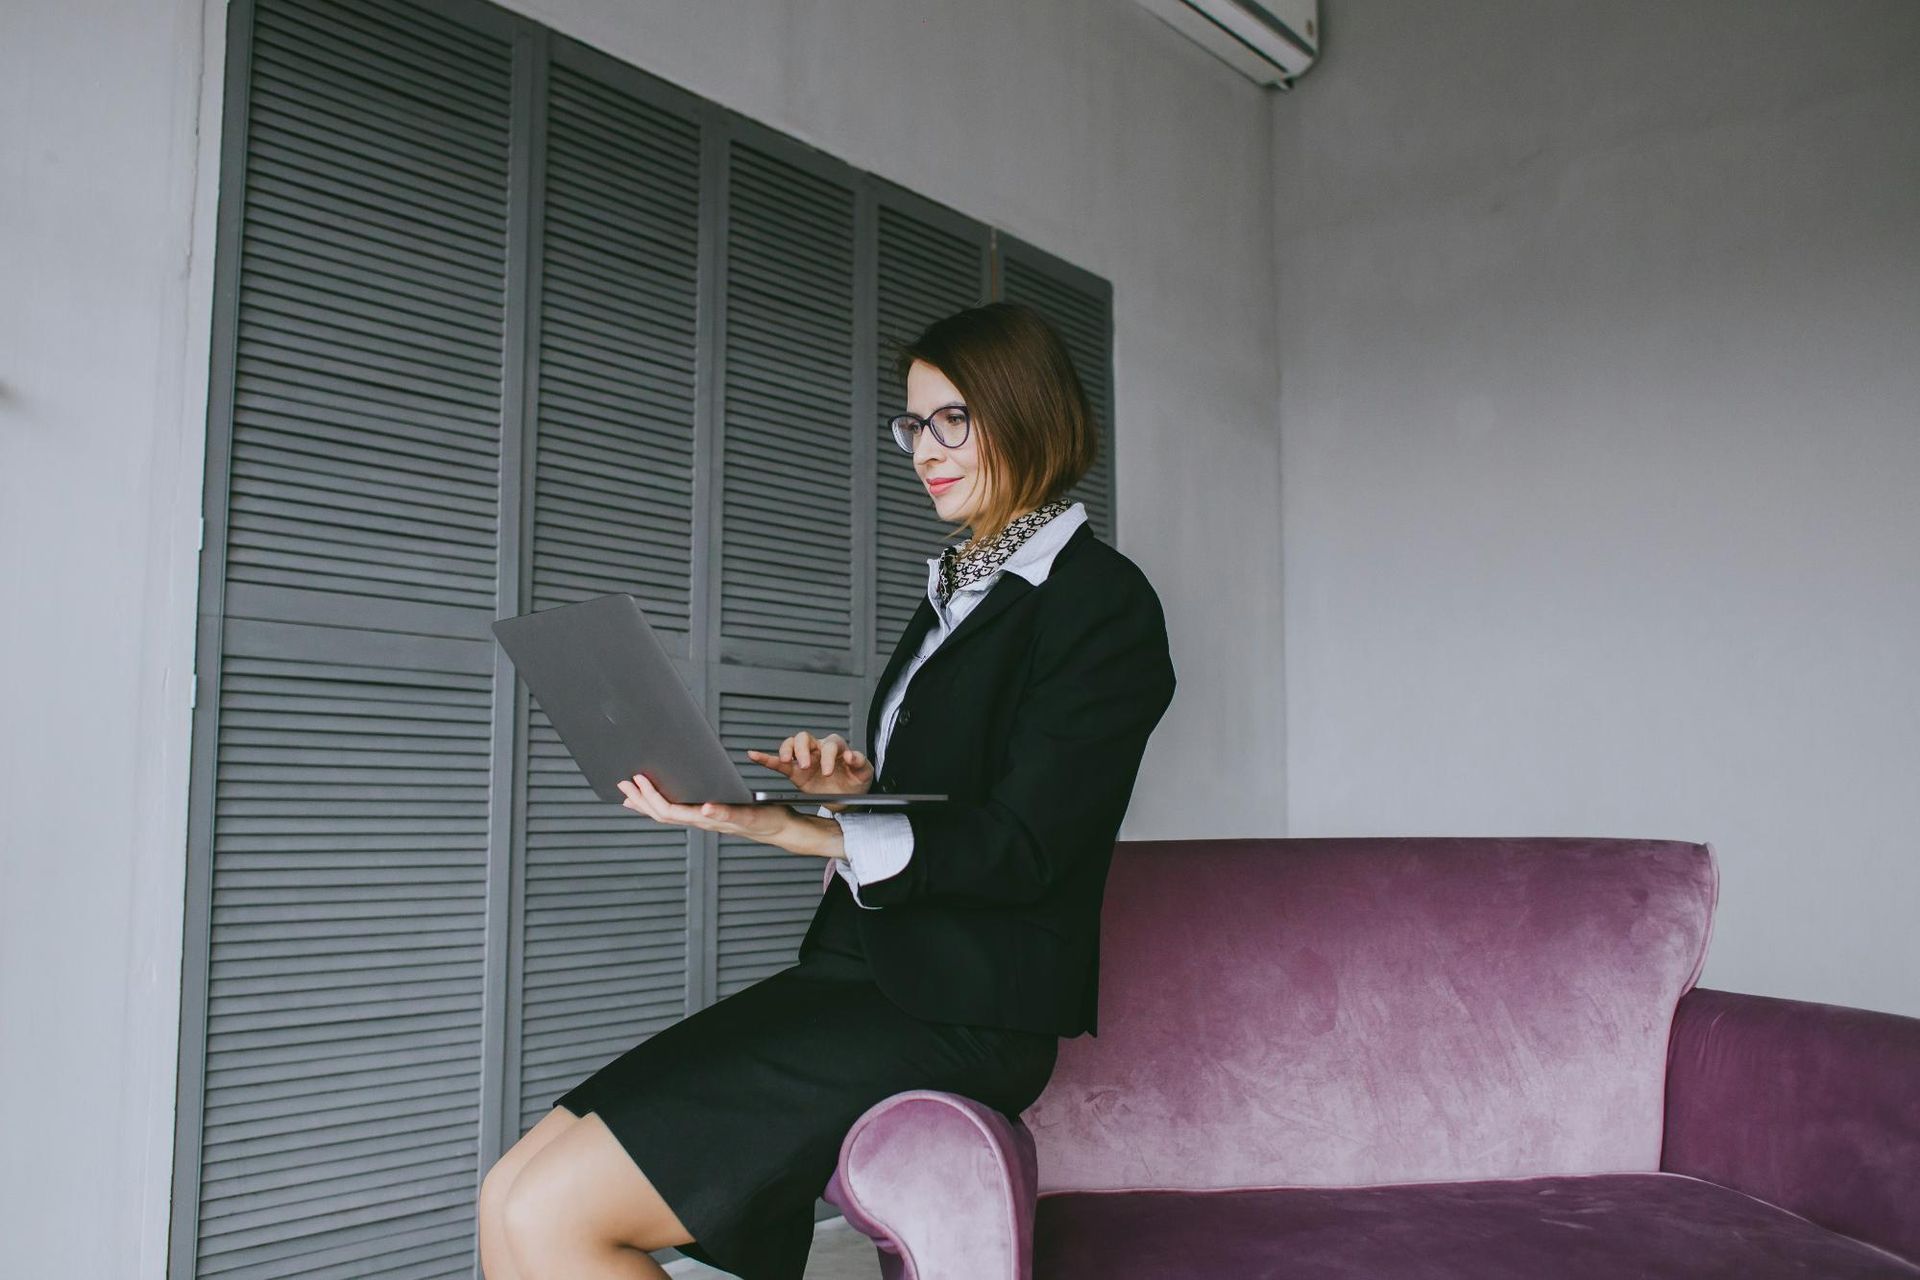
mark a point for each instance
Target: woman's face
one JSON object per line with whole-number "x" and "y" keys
{"x": 958, "y": 502}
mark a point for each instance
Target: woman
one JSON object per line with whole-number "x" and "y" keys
{"x": 957, "y": 940}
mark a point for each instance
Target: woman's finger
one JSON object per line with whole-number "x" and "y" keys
{"x": 771, "y": 761}
{"x": 636, "y": 799}
{"x": 665, "y": 809}
{"x": 658, "y": 805}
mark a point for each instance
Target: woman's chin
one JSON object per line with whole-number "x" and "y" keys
{"x": 948, "y": 507}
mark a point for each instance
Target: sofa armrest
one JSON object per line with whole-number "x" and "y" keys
{"x": 1811, "y": 1107}
{"x": 943, "y": 1184}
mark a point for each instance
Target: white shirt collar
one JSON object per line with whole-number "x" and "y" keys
{"x": 1032, "y": 559}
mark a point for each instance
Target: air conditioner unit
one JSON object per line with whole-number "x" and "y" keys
{"x": 1270, "y": 43}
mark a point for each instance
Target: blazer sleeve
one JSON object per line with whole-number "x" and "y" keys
{"x": 1100, "y": 682}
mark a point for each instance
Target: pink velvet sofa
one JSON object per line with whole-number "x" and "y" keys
{"x": 1415, "y": 1059}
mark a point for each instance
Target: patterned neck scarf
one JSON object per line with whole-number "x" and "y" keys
{"x": 958, "y": 568}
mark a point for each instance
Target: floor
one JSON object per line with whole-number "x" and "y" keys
{"x": 839, "y": 1253}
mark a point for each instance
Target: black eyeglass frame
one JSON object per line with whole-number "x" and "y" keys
{"x": 913, "y": 422}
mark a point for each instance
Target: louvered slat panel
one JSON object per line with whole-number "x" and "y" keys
{"x": 613, "y": 506}
{"x": 786, "y": 571}
{"x": 924, "y": 273}
{"x": 350, "y": 814}
{"x": 604, "y": 940}
{"x": 371, "y": 306}
{"x": 344, "y": 991}
{"x": 766, "y": 895}
{"x": 1083, "y": 321}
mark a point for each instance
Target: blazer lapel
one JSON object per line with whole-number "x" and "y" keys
{"x": 1005, "y": 590}
{"x": 1008, "y": 588}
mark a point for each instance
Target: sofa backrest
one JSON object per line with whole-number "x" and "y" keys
{"x": 1338, "y": 1012}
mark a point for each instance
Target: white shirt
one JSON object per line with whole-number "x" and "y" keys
{"x": 878, "y": 845}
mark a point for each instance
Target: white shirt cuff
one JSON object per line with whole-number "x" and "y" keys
{"x": 878, "y": 845}
{"x": 833, "y": 864}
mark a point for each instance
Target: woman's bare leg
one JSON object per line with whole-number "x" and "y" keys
{"x": 580, "y": 1209}
{"x": 496, "y": 1263}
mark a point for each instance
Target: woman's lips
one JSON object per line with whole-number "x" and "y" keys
{"x": 940, "y": 486}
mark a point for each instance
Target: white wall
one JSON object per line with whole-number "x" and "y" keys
{"x": 1600, "y": 403}
{"x": 106, "y": 199}
{"x": 1086, "y": 128}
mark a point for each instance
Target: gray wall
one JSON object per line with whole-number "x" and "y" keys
{"x": 1087, "y": 129}
{"x": 1601, "y": 420}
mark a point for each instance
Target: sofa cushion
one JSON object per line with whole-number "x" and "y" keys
{"x": 1593, "y": 1227}
{"x": 1338, "y": 1012}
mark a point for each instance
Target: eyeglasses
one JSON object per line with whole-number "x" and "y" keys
{"x": 950, "y": 425}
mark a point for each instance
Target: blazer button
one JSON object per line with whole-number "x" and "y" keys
{"x": 905, "y": 715}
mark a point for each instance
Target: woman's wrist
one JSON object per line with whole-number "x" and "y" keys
{"x": 818, "y": 836}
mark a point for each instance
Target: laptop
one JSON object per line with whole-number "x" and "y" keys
{"x": 612, "y": 694}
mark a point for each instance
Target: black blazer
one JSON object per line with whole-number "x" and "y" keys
{"x": 1032, "y": 717}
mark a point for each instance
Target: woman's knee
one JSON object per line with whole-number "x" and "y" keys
{"x": 584, "y": 1191}
{"x": 494, "y": 1186}
{"x": 499, "y": 1179}
{"x": 526, "y": 1219}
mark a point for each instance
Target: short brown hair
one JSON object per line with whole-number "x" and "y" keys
{"x": 1036, "y": 430}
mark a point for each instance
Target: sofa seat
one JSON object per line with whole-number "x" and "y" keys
{"x": 1586, "y": 1227}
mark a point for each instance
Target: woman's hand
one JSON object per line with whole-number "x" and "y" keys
{"x": 773, "y": 824}
{"x": 820, "y": 764}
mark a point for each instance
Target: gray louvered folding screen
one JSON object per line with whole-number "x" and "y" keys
{"x": 503, "y": 324}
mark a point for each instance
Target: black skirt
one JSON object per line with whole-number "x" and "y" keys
{"x": 736, "y": 1113}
